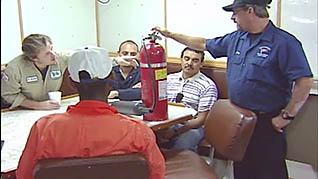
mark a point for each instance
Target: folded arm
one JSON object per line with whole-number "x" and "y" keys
{"x": 128, "y": 94}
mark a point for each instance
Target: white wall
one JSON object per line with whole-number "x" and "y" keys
{"x": 299, "y": 17}
{"x": 202, "y": 18}
{"x": 10, "y": 30}
{"x": 121, "y": 20}
{"x": 70, "y": 24}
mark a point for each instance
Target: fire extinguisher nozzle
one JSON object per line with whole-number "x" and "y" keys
{"x": 145, "y": 110}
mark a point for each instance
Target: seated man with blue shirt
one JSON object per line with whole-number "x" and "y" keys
{"x": 127, "y": 73}
{"x": 195, "y": 90}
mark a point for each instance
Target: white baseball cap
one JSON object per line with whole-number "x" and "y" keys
{"x": 94, "y": 60}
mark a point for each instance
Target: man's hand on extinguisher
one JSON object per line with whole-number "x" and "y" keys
{"x": 161, "y": 30}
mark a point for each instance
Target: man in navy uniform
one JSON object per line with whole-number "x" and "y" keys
{"x": 268, "y": 73}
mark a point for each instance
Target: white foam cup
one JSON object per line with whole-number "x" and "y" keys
{"x": 55, "y": 95}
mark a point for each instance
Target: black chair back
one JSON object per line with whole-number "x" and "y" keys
{"x": 132, "y": 166}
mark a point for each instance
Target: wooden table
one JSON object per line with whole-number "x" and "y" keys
{"x": 16, "y": 125}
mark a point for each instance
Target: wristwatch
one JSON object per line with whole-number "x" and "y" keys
{"x": 285, "y": 115}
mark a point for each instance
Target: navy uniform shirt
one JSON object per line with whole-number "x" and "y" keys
{"x": 260, "y": 73}
{"x": 124, "y": 86}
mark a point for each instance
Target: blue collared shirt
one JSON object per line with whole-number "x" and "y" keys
{"x": 124, "y": 86}
{"x": 260, "y": 73}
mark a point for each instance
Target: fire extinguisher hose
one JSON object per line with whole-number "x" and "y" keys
{"x": 153, "y": 82}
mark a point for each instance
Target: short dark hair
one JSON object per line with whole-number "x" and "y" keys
{"x": 260, "y": 11}
{"x": 127, "y": 41}
{"x": 97, "y": 85}
{"x": 196, "y": 51}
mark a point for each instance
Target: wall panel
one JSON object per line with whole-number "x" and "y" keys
{"x": 202, "y": 18}
{"x": 299, "y": 17}
{"x": 120, "y": 20}
{"x": 70, "y": 24}
{"x": 10, "y": 30}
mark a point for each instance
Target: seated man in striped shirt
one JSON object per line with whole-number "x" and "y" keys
{"x": 195, "y": 90}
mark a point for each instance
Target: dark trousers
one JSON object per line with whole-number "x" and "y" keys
{"x": 265, "y": 154}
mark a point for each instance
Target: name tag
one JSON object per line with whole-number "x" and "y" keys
{"x": 31, "y": 79}
{"x": 55, "y": 74}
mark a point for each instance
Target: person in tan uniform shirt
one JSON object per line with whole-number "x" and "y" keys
{"x": 29, "y": 77}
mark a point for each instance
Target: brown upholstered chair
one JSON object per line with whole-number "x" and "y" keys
{"x": 186, "y": 164}
{"x": 67, "y": 88}
{"x": 219, "y": 77}
{"x": 132, "y": 166}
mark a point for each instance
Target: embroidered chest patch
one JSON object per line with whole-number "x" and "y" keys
{"x": 263, "y": 51}
{"x": 55, "y": 74}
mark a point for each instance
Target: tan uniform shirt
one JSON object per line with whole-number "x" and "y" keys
{"x": 22, "y": 79}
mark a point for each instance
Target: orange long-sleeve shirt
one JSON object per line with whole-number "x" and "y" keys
{"x": 89, "y": 129}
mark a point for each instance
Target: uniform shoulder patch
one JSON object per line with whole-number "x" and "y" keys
{"x": 4, "y": 76}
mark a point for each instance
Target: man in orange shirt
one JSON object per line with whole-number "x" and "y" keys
{"x": 92, "y": 127}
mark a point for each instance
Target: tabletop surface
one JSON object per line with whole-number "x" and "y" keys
{"x": 16, "y": 125}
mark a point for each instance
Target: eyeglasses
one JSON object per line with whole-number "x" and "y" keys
{"x": 179, "y": 97}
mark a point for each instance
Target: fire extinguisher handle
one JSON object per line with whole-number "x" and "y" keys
{"x": 153, "y": 36}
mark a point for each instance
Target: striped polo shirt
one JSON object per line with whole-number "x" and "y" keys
{"x": 199, "y": 91}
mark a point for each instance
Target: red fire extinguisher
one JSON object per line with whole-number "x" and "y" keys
{"x": 153, "y": 68}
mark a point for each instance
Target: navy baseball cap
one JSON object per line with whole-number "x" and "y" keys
{"x": 241, "y": 3}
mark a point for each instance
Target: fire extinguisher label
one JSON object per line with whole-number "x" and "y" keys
{"x": 161, "y": 74}
{"x": 162, "y": 90}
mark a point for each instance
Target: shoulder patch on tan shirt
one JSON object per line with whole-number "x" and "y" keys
{"x": 4, "y": 76}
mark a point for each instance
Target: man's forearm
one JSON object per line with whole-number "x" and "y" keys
{"x": 194, "y": 123}
{"x": 197, "y": 43}
{"x": 31, "y": 104}
{"x": 130, "y": 94}
{"x": 299, "y": 95}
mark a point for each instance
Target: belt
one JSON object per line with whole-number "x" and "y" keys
{"x": 262, "y": 114}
